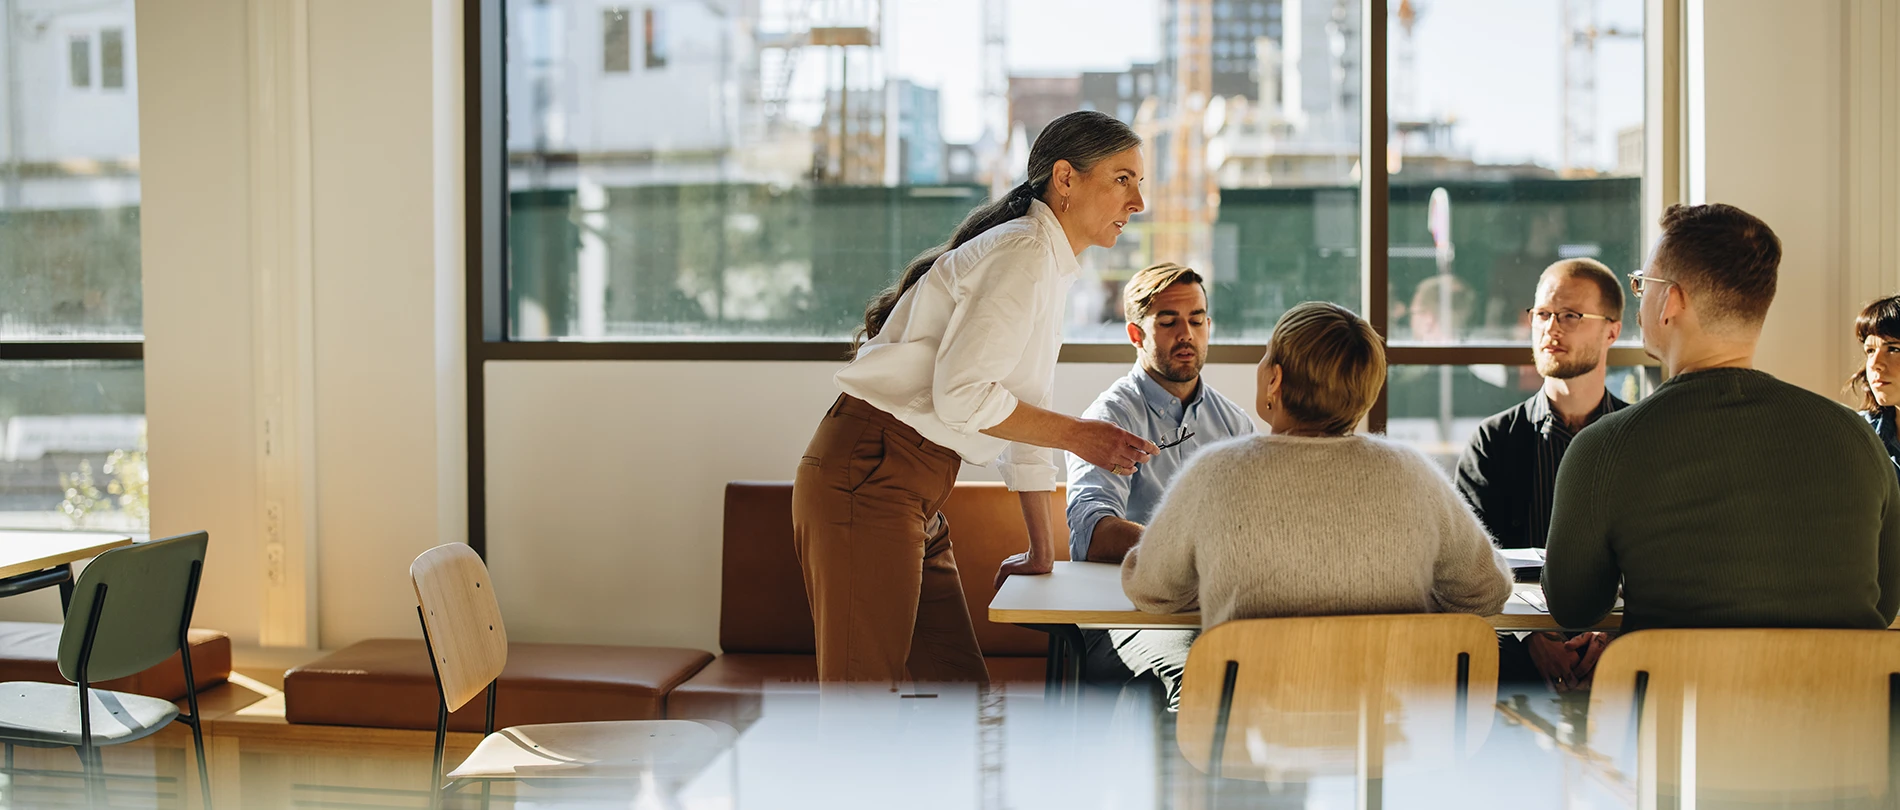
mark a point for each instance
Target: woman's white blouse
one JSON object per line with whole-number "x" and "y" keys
{"x": 978, "y": 334}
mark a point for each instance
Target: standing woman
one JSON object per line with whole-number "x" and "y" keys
{"x": 1878, "y": 381}
{"x": 957, "y": 364}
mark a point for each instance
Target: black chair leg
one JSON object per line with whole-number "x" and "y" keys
{"x": 94, "y": 771}
{"x": 204, "y": 772}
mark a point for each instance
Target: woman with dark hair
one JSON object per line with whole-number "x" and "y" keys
{"x": 957, "y": 363}
{"x": 1877, "y": 383}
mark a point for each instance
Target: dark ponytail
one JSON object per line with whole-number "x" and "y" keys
{"x": 1082, "y": 138}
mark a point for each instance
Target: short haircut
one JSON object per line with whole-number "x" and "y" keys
{"x": 1138, "y": 297}
{"x": 1725, "y": 257}
{"x": 1881, "y": 318}
{"x": 1595, "y": 272}
{"x": 1332, "y": 365}
{"x": 1463, "y": 299}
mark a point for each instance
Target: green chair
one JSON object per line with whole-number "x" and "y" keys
{"x": 130, "y": 611}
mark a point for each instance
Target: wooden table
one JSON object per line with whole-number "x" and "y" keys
{"x": 1089, "y": 596}
{"x": 49, "y": 555}
{"x": 24, "y": 552}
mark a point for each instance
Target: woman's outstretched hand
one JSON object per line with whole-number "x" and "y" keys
{"x": 1106, "y": 445}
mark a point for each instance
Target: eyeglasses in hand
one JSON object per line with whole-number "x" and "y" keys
{"x": 1184, "y": 436}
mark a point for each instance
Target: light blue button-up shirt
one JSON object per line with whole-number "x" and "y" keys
{"x": 1141, "y": 406}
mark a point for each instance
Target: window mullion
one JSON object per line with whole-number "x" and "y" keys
{"x": 1374, "y": 232}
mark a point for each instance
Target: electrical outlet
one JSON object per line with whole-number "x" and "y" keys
{"x": 274, "y": 563}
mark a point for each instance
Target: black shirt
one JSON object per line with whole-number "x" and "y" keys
{"x": 1883, "y": 422}
{"x": 1509, "y": 470}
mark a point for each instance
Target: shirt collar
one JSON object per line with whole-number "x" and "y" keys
{"x": 1545, "y": 417}
{"x": 1159, "y": 399}
{"x": 1882, "y": 420}
{"x": 1058, "y": 239}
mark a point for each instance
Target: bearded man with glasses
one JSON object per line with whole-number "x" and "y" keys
{"x": 1509, "y": 470}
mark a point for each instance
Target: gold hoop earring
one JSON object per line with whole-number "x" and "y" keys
{"x": 1065, "y": 205}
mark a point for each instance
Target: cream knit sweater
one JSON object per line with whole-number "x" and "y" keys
{"x": 1267, "y": 526}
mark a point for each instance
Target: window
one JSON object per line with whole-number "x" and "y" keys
{"x": 616, "y": 41}
{"x": 787, "y": 166}
{"x": 112, "y": 59}
{"x": 1502, "y": 160}
{"x": 79, "y": 60}
{"x": 763, "y": 188}
{"x": 656, "y": 49}
{"x": 72, "y": 402}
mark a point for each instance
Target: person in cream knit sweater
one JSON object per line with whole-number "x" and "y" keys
{"x": 1311, "y": 519}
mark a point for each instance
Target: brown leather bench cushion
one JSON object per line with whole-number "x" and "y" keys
{"x": 29, "y": 651}
{"x": 729, "y": 689}
{"x": 762, "y": 606}
{"x": 388, "y": 683}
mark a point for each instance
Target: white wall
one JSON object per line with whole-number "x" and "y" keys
{"x": 606, "y": 482}
{"x": 1773, "y": 140}
{"x": 381, "y": 401}
{"x": 384, "y": 220}
{"x": 198, "y": 290}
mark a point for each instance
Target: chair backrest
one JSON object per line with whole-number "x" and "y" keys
{"x": 462, "y": 620}
{"x": 1305, "y": 692}
{"x": 148, "y": 594}
{"x": 762, "y": 604}
{"x": 1766, "y": 714}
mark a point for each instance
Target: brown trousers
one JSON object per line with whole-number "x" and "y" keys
{"x": 879, "y": 572}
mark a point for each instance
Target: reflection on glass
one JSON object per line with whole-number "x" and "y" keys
{"x": 1438, "y": 408}
{"x": 1507, "y": 155}
{"x": 69, "y": 183}
{"x": 72, "y": 445}
{"x": 726, "y": 170}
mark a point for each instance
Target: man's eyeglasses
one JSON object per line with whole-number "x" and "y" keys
{"x": 1183, "y": 436}
{"x": 1565, "y": 318}
{"x": 1637, "y": 280}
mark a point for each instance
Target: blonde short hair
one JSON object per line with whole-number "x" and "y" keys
{"x": 1332, "y": 365}
{"x": 1138, "y": 297}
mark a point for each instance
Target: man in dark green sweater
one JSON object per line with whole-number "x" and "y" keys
{"x": 1727, "y": 498}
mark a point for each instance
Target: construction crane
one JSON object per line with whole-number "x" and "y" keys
{"x": 1579, "y": 33}
{"x": 995, "y": 68}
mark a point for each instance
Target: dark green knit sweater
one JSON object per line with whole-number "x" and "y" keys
{"x": 1726, "y": 499}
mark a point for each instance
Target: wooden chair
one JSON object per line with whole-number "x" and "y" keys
{"x": 131, "y": 612}
{"x": 468, "y": 647}
{"x": 1777, "y": 717}
{"x": 1281, "y": 699}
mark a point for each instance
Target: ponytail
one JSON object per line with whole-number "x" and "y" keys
{"x": 1081, "y": 138}
{"x": 984, "y": 217}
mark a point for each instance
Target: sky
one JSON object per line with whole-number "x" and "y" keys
{"x": 1493, "y": 64}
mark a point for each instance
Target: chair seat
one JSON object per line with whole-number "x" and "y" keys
{"x": 626, "y": 749}
{"x": 48, "y": 714}
{"x": 388, "y": 683}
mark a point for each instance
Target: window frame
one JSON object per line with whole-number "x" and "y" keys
{"x": 486, "y": 239}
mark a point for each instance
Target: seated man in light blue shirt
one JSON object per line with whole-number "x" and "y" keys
{"x": 1162, "y": 399}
